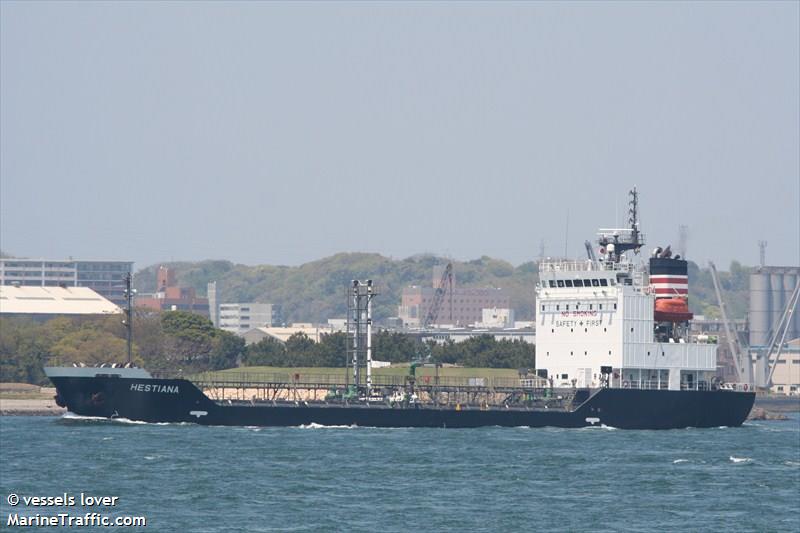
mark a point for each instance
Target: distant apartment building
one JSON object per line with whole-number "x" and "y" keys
{"x": 240, "y": 318}
{"x": 106, "y": 278}
{"x": 460, "y": 306}
{"x": 169, "y": 296}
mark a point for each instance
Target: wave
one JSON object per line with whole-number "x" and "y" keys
{"x": 792, "y": 463}
{"x": 679, "y": 461}
{"x": 314, "y": 425}
{"x": 72, "y": 417}
{"x": 737, "y": 460}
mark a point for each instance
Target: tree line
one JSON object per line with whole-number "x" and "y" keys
{"x": 178, "y": 341}
{"x": 482, "y": 351}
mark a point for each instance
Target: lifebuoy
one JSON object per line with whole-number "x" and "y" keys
{"x": 625, "y": 384}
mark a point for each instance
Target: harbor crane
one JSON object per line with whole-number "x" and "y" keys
{"x": 744, "y": 368}
{"x": 780, "y": 331}
{"x": 445, "y": 287}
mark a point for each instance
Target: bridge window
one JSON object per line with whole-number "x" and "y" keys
{"x": 578, "y": 283}
{"x": 604, "y": 282}
{"x": 587, "y": 283}
{"x": 568, "y": 282}
{"x": 560, "y": 282}
{"x": 595, "y": 283}
{"x": 552, "y": 284}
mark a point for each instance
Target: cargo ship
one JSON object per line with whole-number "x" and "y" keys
{"x": 613, "y": 350}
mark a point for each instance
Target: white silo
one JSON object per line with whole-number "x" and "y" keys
{"x": 760, "y": 296}
{"x": 778, "y": 301}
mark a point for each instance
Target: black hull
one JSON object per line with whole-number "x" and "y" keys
{"x": 164, "y": 400}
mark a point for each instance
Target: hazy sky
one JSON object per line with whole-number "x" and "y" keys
{"x": 282, "y": 133}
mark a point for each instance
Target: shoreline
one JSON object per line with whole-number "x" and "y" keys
{"x": 30, "y": 407}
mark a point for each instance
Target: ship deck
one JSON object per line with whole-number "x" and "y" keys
{"x": 323, "y": 390}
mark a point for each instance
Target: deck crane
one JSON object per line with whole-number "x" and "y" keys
{"x": 445, "y": 287}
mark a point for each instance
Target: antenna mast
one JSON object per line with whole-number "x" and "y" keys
{"x": 128, "y": 293}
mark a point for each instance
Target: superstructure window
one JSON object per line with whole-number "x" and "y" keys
{"x": 604, "y": 282}
{"x": 568, "y": 282}
{"x": 560, "y": 282}
{"x": 595, "y": 283}
{"x": 552, "y": 284}
{"x": 542, "y": 308}
{"x": 578, "y": 283}
{"x": 587, "y": 283}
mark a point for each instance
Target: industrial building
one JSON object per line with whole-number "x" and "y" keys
{"x": 771, "y": 290}
{"x": 44, "y": 303}
{"x": 282, "y": 333}
{"x": 452, "y": 305}
{"x": 455, "y": 334}
{"x": 169, "y": 296}
{"x": 107, "y": 278}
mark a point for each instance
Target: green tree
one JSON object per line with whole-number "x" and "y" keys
{"x": 331, "y": 350}
{"x": 300, "y": 350}
{"x": 226, "y": 352}
{"x": 90, "y": 346}
{"x": 267, "y": 352}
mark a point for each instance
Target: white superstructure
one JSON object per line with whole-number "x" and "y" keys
{"x": 596, "y": 327}
{"x": 594, "y": 314}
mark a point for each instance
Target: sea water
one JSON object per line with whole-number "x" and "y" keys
{"x": 189, "y": 478}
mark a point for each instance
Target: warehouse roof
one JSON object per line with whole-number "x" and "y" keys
{"x": 53, "y": 301}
